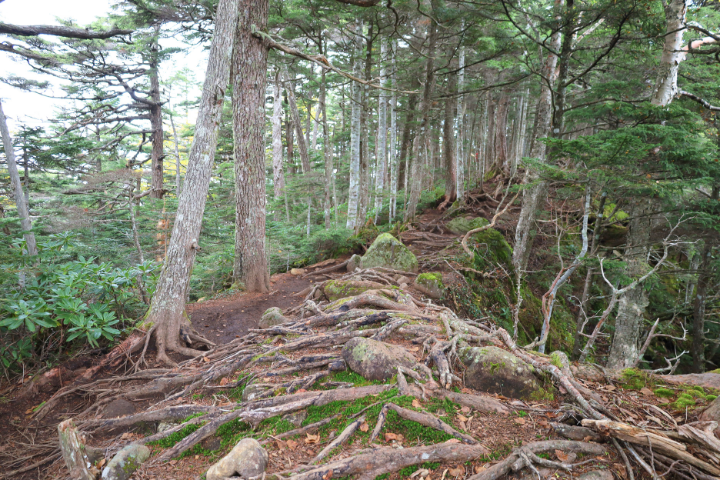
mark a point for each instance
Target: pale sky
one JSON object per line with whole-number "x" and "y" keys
{"x": 30, "y": 108}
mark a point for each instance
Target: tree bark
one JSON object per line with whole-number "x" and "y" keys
{"x": 157, "y": 190}
{"x": 382, "y": 157}
{"x": 249, "y": 72}
{"x": 354, "y": 188}
{"x": 295, "y": 115}
{"x": 392, "y": 154}
{"x": 278, "y": 174}
{"x": 666, "y": 84}
{"x": 365, "y": 131}
{"x": 168, "y": 304}
{"x": 176, "y": 142}
{"x": 698, "y": 325}
{"x": 460, "y": 150}
{"x": 449, "y": 143}
{"x": 21, "y": 204}
{"x": 500, "y": 142}
{"x": 327, "y": 151}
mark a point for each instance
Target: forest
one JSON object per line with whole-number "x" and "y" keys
{"x": 357, "y": 215}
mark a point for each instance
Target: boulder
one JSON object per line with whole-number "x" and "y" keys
{"x": 494, "y": 370}
{"x": 125, "y": 462}
{"x": 248, "y": 459}
{"x": 387, "y": 251}
{"x": 491, "y": 247}
{"x": 462, "y": 225}
{"x": 272, "y": 316}
{"x": 375, "y": 360}
{"x": 337, "y": 289}
{"x": 430, "y": 284}
{"x": 354, "y": 263}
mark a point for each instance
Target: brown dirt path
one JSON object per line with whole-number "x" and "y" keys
{"x": 225, "y": 319}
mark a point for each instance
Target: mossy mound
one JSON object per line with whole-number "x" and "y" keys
{"x": 490, "y": 249}
{"x": 462, "y": 225}
{"x": 387, "y": 251}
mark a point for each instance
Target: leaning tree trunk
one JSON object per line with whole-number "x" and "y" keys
{"x": 249, "y": 72}
{"x": 277, "y": 148}
{"x": 168, "y": 303}
{"x": 632, "y": 305}
{"x": 295, "y": 115}
{"x": 22, "y": 206}
{"x": 157, "y": 157}
{"x": 354, "y": 188}
{"x": 422, "y": 135}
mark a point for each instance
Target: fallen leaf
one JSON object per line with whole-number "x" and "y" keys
{"x": 390, "y": 436}
{"x": 420, "y": 473}
{"x": 302, "y": 390}
{"x": 457, "y": 471}
{"x": 453, "y": 440}
{"x": 364, "y": 427}
{"x": 126, "y": 435}
{"x": 173, "y": 462}
{"x": 223, "y": 381}
{"x": 280, "y": 444}
{"x": 312, "y": 439}
{"x": 466, "y": 390}
{"x": 292, "y": 445}
{"x": 519, "y": 420}
{"x": 416, "y": 403}
{"x": 328, "y": 475}
{"x": 480, "y": 468}
{"x": 647, "y": 392}
{"x": 543, "y": 423}
{"x": 462, "y": 418}
{"x": 562, "y": 456}
{"x": 414, "y": 349}
{"x": 205, "y": 359}
{"x": 621, "y": 469}
{"x": 101, "y": 463}
{"x": 465, "y": 409}
{"x": 610, "y": 388}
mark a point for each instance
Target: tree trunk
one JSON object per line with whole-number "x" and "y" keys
{"x": 156, "y": 125}
{"x": 420, "y": 145}
{"x": 382, "y": 158}
{"x": 394, "y": 177}
{"x": 405, "y": 144}
{"x": 365, "y": 132}
{"x": 449, "y": 143}
{"x": 354, "y": 188}
{"x": 168, "y": 304}
{"x": 524, "y": 232}
{"x": 278, "y": 174}
{"x": 22, "y": 206}
{"x": 295, "y": 115}
{"x": 176, "y": 142}
{"x": 327, "y": 150}
{"x": 666, "y": 84}
{"x": 698, "y": 326}
{"x": 249, "y": 72}
{"x": 500, "y": 142}
{"x": 460, "y": 150}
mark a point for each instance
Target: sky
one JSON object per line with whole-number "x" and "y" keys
{"x": 30, "y": 108}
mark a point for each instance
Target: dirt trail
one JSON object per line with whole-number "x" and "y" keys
{"x": 225, "y": 319}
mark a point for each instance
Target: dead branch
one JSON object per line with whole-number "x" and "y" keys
{"x": 431, "y": 421}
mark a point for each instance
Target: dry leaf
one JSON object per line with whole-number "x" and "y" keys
{"x": 224, "y": 381}
{"x": 101, "y": 463}
{"x": 453, "y": 440}
{"x": 620, "y": 469}
{"x": 466, "y": 390}
{"x": 416, "y": 403}
{"x": 126, "y": 435}
{"x": 423, "y": 472}
{"x": 280, "y": 444}
{"x": 302, "y": 390}
{"x": 519, "y": 420}
{"x": 457, "y": 471}
{"x": 562, "y": 456}
{"x": 364, "y": 427}
{"x": 173, "y": 462}
{"x": 462, "y": 418}
{"x": 610, "y": 388}
{"x": 414, "y": 349}
{"x": 390, "y": 436}
{"x": 543, "y": 423}
{"x": 312, "y": 439}
{"x": 480, "y": 468}
{"x": 328, "y": 475}
{"x": 465, "y": 409}
{"x": 292, "y": 445}
{"x": 647, "y": 392}
{"x": 656, "y": 420}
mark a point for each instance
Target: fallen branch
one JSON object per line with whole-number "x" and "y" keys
{"x": 433, "y": 422}
{"x": 339, "y": 440}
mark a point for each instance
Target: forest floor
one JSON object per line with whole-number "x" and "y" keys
{"x": 497, "y": 425}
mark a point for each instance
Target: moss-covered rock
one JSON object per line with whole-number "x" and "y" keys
{"x": 125, "y": 462}
{"x": 430, "y": 284}
{"x": 272, "y": 316}
{"x": 387, "y": 251}
{"x": 462, "y": 225}
{"x": 491, "y": 248}
{"x": 353, "y": 263}
{"x": 336, "y": 289}
{"x": 375, "y": 360}
{"x": 494, "y": 370}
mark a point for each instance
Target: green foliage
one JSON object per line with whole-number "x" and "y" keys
{"x": 175, "y": 437}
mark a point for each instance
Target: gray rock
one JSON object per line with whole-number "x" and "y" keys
{"x": 296, "y": 418}
{"x": 272, "y": 316}
{"x": 430, "y": 284}
{"x": 387, "y": 251}
{"x": 162, "y": 426}
{"x": 252, "y": 391}
{"x": 403, "y": 279}
{"x": 337, "y": 289}
{"x": 353, "y": 263}
{"x": 248, "y": 459}
{"x": 375, "y": 360}
{"x": 118, "y": 408}
{"x": 125, "y": 462}
{"x": 596, "y": 475}
{"x": 494, "y": 370}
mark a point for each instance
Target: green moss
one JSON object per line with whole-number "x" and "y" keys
{"x": 431, "y": 277}
{"x": 339, "y": 289}
{"x": 663, "y": 392}
{"x": 462, "y": 225}
{"x": 387, "y": 251}
{"x": 542, "y": 395}
{"x": 355, "y": 378}
{"x": 174, "y": 438}
{"x": 683, "y": 401}
{"x": 407, "y": 471}
{"x": 634, "y": 379}
{"x": 710, "y": 398}
{"x": 555, "y": 360}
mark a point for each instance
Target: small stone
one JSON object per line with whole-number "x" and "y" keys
{"x": 125, "y": 462}
{"x": 297, "y": 271}
{"x": 375, "y": 360}
{"x": 596, "y": 475}
{"x": 353, "y": 263}
{"x": 296, "y": 418}
{"x": 272, "y": 316}
{"x": 248, "y": 459}
{"x": 403, "y": 279}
